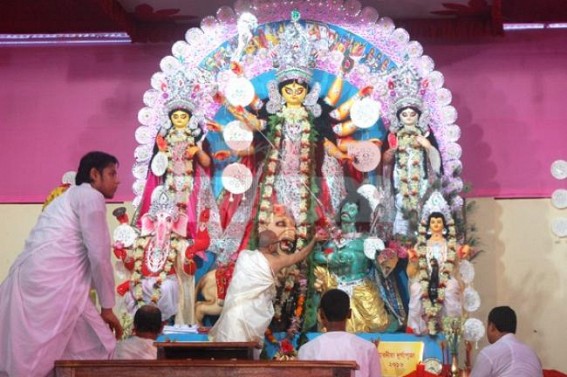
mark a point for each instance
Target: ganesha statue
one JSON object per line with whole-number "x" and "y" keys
{"x": 160, "y": 261}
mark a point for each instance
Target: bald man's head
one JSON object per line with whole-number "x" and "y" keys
{"x": 267, "y": 238}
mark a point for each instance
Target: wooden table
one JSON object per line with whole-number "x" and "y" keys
{"x": 206, "y": 350}
{"x": 203, "y": 368}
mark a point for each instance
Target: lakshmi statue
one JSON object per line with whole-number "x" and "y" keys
{"x": 179, "y": 162}
{"x": 343, "y": 264}
{"x": 435, "y": 291}
{"x": 411, "y": 159}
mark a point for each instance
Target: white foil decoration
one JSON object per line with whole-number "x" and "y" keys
{"x": 471, "y": 299}
{"x": 559, "y": 169}
{"x": 473, "y": 330}
{"x": 365, "y": 113}
{"x": 237, "y": 136}
{"x": 236, "y": 178}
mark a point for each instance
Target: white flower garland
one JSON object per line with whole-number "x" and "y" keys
{"x": 173, "y": 139}
{"x": 266, "y": 202}
{"x": 409, "y": 185}
{"x": 136, "y": 277}
{"x": 295, "y": 115}
{"x": 432, "y": 309}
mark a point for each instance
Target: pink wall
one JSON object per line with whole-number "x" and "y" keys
{"x": 511, "y": 97}
{"x": 58, "y": 102}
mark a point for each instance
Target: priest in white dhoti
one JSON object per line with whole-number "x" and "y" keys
{"x": 45, "y": 310}
{"x": 248, "y": 307}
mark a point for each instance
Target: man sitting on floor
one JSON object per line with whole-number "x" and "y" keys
{"x": 147, "y": 327}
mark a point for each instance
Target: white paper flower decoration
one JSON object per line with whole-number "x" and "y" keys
{"x": 124, "y": 234}
{"x": 366, "y": 155}
{"x": 237, "y": 136}
{"x": 69, "y": 178}
{"x": 559, "y": 169}
{"x": 559, "y": 226}
{"x": 559, "y": 198}
{"x": 466, "y": 269}
{"x": 473, "y": 330}
{"x": 236, "y": 178}
{"x": 471, "y": 299}
{"x": 365, "y": 113}
{"x": 370, "y": 192}
{"x": 239, "y": 91}
{"x": 372, "y": 245}
{"x": 159, "y": 164}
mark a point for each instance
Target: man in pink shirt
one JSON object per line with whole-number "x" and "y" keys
{"x": 506, "y": 356}
{"x": 336, "y": 343}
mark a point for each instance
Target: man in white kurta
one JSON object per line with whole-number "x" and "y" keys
{"x": 45, "y": 311}
{"x": 136, "y": 348}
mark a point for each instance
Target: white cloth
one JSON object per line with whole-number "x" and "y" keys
{"x": 45, "y": 311}
{"x": 452, "y": 305}
{"x": 248, "y": 308}
{"x": 168, "y": 300}
{"x": 136, "y": 348}
{"x": 507, "y": 357}
{"x": 341, "y": 345}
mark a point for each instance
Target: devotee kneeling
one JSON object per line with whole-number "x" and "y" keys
{"x": 336, "y": 343}
{"x": 45, "y": 311}
{"x": 147, "y": 327}
{"x": 506, "y": 355}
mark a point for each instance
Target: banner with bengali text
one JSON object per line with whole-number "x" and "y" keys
{"x": 399, "y": 358}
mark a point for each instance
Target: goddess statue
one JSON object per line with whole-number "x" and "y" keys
{"x": 411, "y": 160}
{"x": 303, "y": 163}
{"x": 179, "y": 162}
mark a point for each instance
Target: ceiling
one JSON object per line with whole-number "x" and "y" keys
{"x": 167, "y": 20}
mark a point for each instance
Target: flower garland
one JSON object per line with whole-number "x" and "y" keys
{"x": 306, "y": 168}
{"x": 298, "y": 312}
{"x": 432, "y": 309}
{"x": 141, "y": 247}
{"x": 290, "y": 115}
{"x": 408, "y": 160}
{"x": 179, "y": 179}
